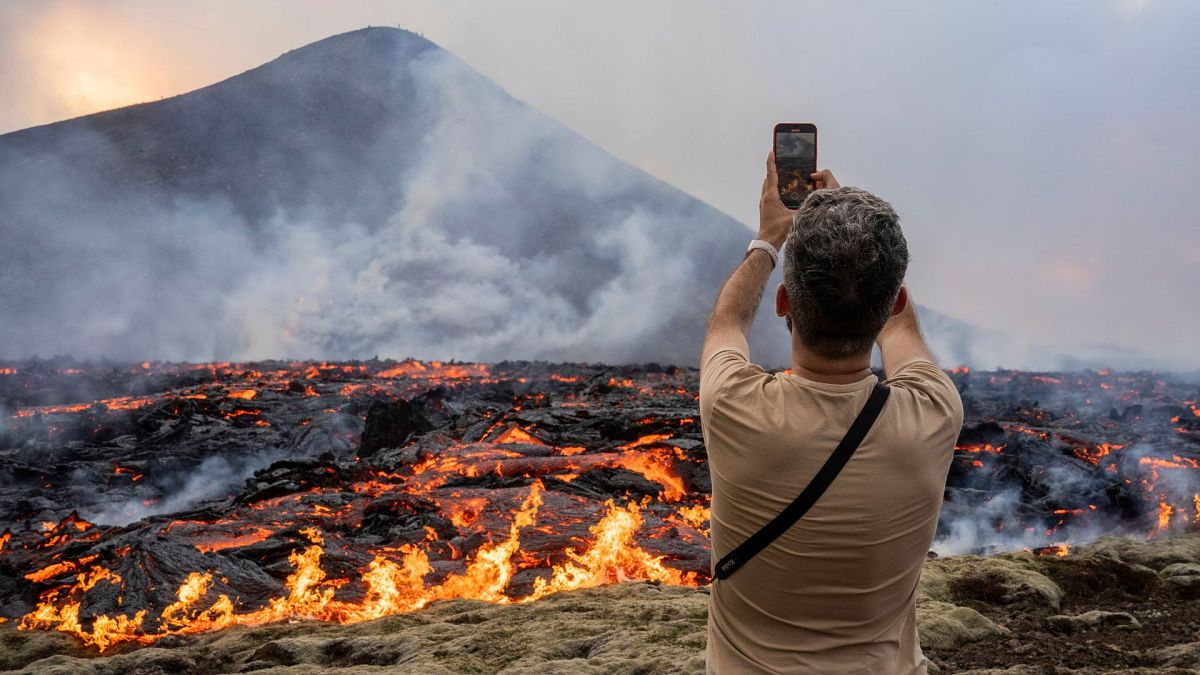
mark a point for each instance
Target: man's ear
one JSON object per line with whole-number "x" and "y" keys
{"x": 781, "y": 302}
{"x": 901, "y": 301}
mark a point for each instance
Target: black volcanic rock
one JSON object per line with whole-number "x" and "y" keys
{"x": 391, "y": 424}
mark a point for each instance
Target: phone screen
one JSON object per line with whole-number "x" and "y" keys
{"x": 795, "y": 162}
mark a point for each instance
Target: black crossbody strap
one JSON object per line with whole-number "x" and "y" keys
{"x": 788, "y": 517}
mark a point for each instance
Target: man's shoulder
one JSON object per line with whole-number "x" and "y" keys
{"x": 922, "y": 383}
{"x": 724, "y": 373}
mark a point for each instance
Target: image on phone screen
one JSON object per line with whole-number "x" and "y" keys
{"x": 795, "y": 162}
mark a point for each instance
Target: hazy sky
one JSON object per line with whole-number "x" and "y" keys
{"x": 1043, "y": 156}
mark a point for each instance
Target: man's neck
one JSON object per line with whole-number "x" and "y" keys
{"x": 846, "y": 370}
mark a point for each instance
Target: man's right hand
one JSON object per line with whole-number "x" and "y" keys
{"x": 824, "y": 179}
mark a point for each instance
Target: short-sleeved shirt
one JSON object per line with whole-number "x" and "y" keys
{"x": 836, "y": 593}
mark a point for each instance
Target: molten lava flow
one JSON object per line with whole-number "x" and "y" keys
{"x": 696, "y": 516}
{"x": 515, "y": 434}
{"x": 390, "y": 587}
{"x": 450, "y": 508}
{"x": 980, "y": 448}
{"x": 657, "y": 467}
{"x": 1094, "y": 455}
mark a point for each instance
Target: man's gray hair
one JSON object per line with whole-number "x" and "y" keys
{"x": 843, "y": 266}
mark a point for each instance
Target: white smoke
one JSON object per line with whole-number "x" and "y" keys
{"x": 214, "y": 478}
{"x": 466, "y": 268}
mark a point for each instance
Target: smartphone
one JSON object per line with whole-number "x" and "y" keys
{"x": 795, "y": 161}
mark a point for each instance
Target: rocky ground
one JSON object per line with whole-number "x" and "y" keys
{"x": 1113, "y": 606}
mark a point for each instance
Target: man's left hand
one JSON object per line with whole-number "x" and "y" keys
{"x": 774, "y": 219}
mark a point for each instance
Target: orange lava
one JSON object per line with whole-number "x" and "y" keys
{"x": 612, "y": 555}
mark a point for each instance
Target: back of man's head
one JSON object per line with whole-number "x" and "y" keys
{"x": 843, "y": 266}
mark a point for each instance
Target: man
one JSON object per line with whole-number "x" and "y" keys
{"x": 836, "y": 592}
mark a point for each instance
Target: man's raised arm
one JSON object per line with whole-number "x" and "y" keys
{"x": 901, "y": 338}
{"x": 737, "y": 301}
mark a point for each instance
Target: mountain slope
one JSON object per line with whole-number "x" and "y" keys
{"x": 365, "y": 194}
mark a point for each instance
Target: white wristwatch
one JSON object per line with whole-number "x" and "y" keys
{"x": 766, "y": 246}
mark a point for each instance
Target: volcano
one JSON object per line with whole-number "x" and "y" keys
{"x": 365, "y": 194}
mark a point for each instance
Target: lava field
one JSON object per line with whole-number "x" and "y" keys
{"x": 139, "y": 501}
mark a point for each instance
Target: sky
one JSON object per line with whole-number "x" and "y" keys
{"x": 1042, "y": 156}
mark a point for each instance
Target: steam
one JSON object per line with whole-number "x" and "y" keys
{"x": 214, "y": 478}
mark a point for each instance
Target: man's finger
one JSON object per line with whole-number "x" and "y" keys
{"x": 772, "y": 177}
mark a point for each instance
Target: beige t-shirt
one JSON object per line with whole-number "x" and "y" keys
{"x": 836, "y": 592}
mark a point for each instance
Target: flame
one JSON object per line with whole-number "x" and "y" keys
{"x": 106, "y": 630}
{"x": 391, "y": 587}
{"x": 611, "y": 558}
{"x": 696, "y": 516}
{"x": 658, "y": 468}
{"x": 1164, "y": 518}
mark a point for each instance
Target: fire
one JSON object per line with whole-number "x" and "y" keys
{"x": 612, "y": 557}
{"x": 391, "y": 587}
{"x": 658, "y": 468}
{"x": 696, "y": 516}
{"x": 106, "y": 630}
{"x": 244, "y": 394}
{"x": 1057, "y": 550}
{"x": 1165, "y": 511}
